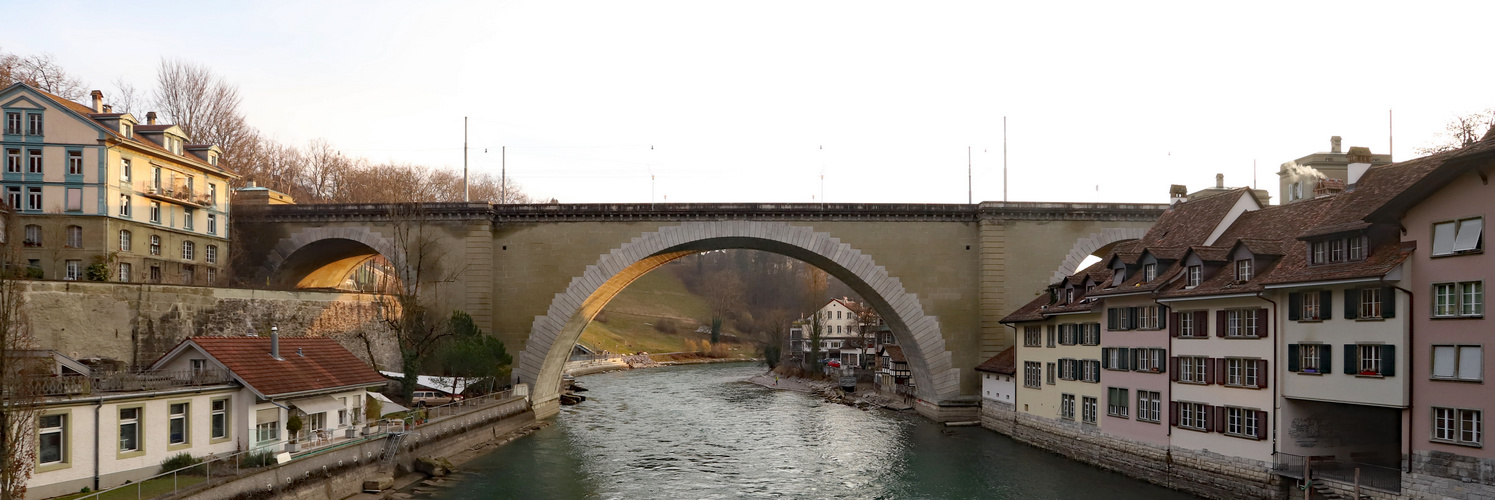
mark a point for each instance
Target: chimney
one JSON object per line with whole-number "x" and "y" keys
{"x": 98, "y": 101}
{"x": 1334, "y": 144}
{"x": 108, "y": 108}
{"x": 1220, "y": 181}
{"x": 1178, "y": 193}
{"x": 150, "y": 118}
{"x": 1359, "y": 163}
{"x": 275, "y": 342}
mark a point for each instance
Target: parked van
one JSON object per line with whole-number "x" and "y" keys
{"x": 431, "y": 398}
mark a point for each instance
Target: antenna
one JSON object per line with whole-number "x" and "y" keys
{"x": 968, "y": 175}
{"x": 1004, "y": 159}
{"x": 466, "y": 195}
{"x": 503, "y": 175}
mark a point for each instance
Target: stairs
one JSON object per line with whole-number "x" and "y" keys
{"x": 391, "y": 449}
{"x": 1322, "y": 492}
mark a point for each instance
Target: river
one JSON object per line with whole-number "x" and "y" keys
{"x": 701, "y": 432}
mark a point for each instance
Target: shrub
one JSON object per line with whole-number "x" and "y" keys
{"x": 372, "y": 409}
{"x": 601, "y": 317}
{"x": 293, "y": 426}
{"x": 667, "y": 325}
{"x": 34, "y": 273}
{"x": 257, "y": 459}
{"x": 178, "y": 461}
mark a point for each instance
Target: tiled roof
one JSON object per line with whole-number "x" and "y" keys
{"x": 88, "y": 112}
{"x": 1294, "y": 267}
{"x": 306, "y": 364}
{"x": 1379, "y": 185}
{"x": 1267, "y": 233}
{"x": 1191, "y": 222}
{"x": 895, "y": 353}
{"x": 1035, "y": 310}
{"x": 1477, "y": 155}
{"x": 1003, "y": 362}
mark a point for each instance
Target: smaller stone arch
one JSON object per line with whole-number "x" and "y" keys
{"x": 313, "y": 237}
{"x": 1087, "y": 246}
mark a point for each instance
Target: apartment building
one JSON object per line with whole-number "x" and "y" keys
{"x": 91, "y": 186}
{"x": 1060, "y": 355}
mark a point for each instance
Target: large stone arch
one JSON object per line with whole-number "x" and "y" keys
{"x": 319, "y": 246}
{"x": 1087, "y": 246}
{"x": 553, "y": 334}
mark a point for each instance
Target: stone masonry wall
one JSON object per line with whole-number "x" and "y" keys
{"x": 1439, "y": 475}
{"x": 1209, "y": 475}
{"x": 136, "y": 323}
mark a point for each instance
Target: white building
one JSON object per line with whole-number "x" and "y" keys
{"x": 998, "y": 378}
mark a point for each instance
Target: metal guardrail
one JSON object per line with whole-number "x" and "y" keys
{"x": 1380, "y": 477}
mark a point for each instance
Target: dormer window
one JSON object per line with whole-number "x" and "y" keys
{"x": 1336, "y": 250}
{"x": 1357, "y": 248}
{"x": 1194, "y": 275}
{"x": 1120, "y": 275}
{"x": 1069, "y": 295}
{"x": 1243, "y": 270}
{"x": 212, "y": 159}
{"x": 127, "y": 130}
{"x": 1149, "y": 273}
{"x": 1318, "y": 252}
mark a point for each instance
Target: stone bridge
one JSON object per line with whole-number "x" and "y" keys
{"x": 535, "y": 275}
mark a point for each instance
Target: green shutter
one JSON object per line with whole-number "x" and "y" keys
{"x": 1131, "y": 317}
{"x": 1351, "y": 359}
{"x": 1388, "y": 302}
{"x": 1388, "y": 360}
{"x": 1105, "y": 358}
{"x": 1162, "y": 357}
{"x": 1292, "y": 357}
{"x": 1124, "y": 358}
{"x": 1326, "y": 304}
{"x": 1111, "y": 318}
{"x": 1294, "y": 306}
{"x": 1326, "y": 359}
{"x": 1351, "y": 303}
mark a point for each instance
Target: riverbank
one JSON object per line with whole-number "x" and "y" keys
{"x": 863, "y": 398}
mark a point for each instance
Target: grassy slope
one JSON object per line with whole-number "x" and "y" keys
{"x": 627, "y": 321}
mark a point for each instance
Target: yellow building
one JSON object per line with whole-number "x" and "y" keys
{"x": 93, "y": 187}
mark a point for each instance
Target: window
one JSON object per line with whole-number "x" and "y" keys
{"x": 1240, "y": 372}
{"x": 74, "y": 199}
{"x": 156, "y": 212}
{"x": 1049, "y": 375}
{"x": 1242, "y": 322}
{"x": 1117, "y": 402}
{"x": 124, "y": 205}
{"x": 72, "y": 270}
{"x": 1192, "y": 416}
{"x": 33, "y": 236}
{"x": 1032, "y": 374}
{"x": 1148, "y": 318}
{"x": 212, "y": 224}
{"x": 124, "y": 272}
{"x": 126, "y": 129}
{"x": 1066, "y": 334}
{"x": 212, "y": 254}
{"x": 1091, "y": 407}
{"x": 1067, "y": 406}
{"x": 1458, "y": 426}
{"x": 74, "y": 237}
{"x": 1357, "y": 248}
{"x": 1242, "y": 422}
{"x": 1311, "y": 358}
{"x": 12, "y": 122}
{"x": 1370, "y": 303}
{"x": 267, "y": 425}
{"x": 1149, "y": 272}
{"x": 1118, "y": 275}
{"x": 189, "y": 274}
{"x": 1069, "y": 295}
{"x": 1460, "y": 236}
{"x": 1465, "y": 299}
{"x": 124, "y": 240}
{"x": 1092, "y": 370}
{"x": 1115, "y": 357}
{"x": 1373, "y": 360}
{"x": 1148, "y": 360}
{"x": 1149, "y": 406}
{"x": 75, "y": 163}
{"x": 1318, "y": 250}
{"x": 51, "y": 439}
{"x": 13, "y": 161}
{"x": 213, "y": 189}
{"x": 129, "y": 429}
{"x": 155, "y": 245}
{"x": 124, "y": 170}
{"x": 1188, "y": 325}
{"x": 33, "y": 198}
{"x": 1194, "y": 273}
{"x": 155, "y": 274}
{"x": 33, "y": 123}
{"x": 1191, "y": 369}
{"x": 1032, "y": 335}
{"x": 1311, "y": 306}
{"x": 1051, "y": 335}
{"x": 1091, "y": 333}
{"x": 1336, "y": 250}
{"x": 1243, "y": 270}
{"x": 188, "y": 217}
{"x": 156, "y": 178}
{"x": 219, "y": 419}
{"x": 1458, "y": 362}
{"x": 13, "y": 196}
{"x": 34, "y": 161}
{"x": 177, "y": 423}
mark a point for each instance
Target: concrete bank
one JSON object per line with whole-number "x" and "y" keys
{"x": 1209, "y": 475}
{"x": 340, "y": 472}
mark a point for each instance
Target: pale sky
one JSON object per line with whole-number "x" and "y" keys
{"x": 737, "y": 99}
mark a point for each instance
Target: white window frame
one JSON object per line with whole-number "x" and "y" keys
{"x": 156, "y": 212}
{"x": 74, "y": 162}
{"x": 1192, "y": 416}
{"x": 1149, "y": 272}
{"x": 72, "y": 270}
{"x": 1308, "y": 358}
{"x": 136, "y": 429}
{"x": 178, "y": 414}
{"x": 189, "y": 249}
{"x": 34, "y": 161}
{"x": 1461, "y": 356}
{"x": 1241, "y": 422}
{"x": 155, "y": 247}
{"x": 1149, "y": 406}
{"x": 1370, "y": 306}
{"x": 124, "y": 272}
{"x": 1121, "y": 395}
{"x": 1191, "y": 369}
{"x": 60, "y": 429}
{"x": 1067, "y": 406}
{"x": 1195, "y": 275}
{"x": 1357, "y": 248}
{"x": 1461, "y": 426}
{"x": 1090, "y": 407}
{"x": 1241, "y": 372}
{"x": 1033, "y": 374}
{"x": 1243, "y": 270}
{"x": 34, "y": 198}
{"x": 126, "y": 240}
{"x": 218, "y": 418}
{"x": 1451, "y": 238}
{"x": 1368, "y": 360}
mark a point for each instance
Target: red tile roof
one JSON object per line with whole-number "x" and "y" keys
{"x": 321, "y": 364}
{"x": 895, "y": 353}
{"x": 1191, "y": 222}
{"x": 1003, "y": 362}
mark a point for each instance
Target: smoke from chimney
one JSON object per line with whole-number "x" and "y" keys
{"x": 1296, "y": 172}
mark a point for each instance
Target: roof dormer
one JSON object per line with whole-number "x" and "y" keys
{"x": 206, "y": 152}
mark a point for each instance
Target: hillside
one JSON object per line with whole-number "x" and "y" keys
{"x": 642, "y": 316}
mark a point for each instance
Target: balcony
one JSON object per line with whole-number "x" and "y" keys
{"x": 176, "y": 192}
{"x": 58, "y": 386}
{"x": 1330, "y": 467}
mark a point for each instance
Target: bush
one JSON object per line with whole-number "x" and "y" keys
{"x": 667, "y": 325}
{"x": 178, "y": 461}
{"x": 34, "y": 273}
{"x": 293, "y": 426}
{"x": 372, "y": 409}
{"x": 601, "y": 317}
{"x": 257, "y": 459}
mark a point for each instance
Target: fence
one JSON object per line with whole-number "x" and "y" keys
{"x": 1329, "y": 467}
{"x": 48, "y": 385}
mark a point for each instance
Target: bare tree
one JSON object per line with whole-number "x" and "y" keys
{"x": 724, "y": 297}
{"x": 19, "y": 399}
{"x": 421, "y": 264}
{"x": 204, "y": 105}
{"x": 126, "y": 98}
{"x": 1461, "y": 131}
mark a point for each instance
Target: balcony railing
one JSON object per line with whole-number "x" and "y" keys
{"x": 46, "y": 385}
{"x": 1331, "y": 467}
{"x": 174, "y": 192}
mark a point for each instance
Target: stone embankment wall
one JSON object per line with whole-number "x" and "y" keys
{"x": 338, "y": 473}
{"x": 136, "y": 323}
{"x": 1209, "y": 475}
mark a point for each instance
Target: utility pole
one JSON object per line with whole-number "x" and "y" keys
{"x": 968, "y": 175}
{"x": 466, "y": 194}
{"x": 503, "y": 175}
{"x": 1004, "y": 159}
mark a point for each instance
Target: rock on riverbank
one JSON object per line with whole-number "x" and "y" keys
{"x": 828, "y": 390}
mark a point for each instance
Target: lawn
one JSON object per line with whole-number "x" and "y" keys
{"x": 147, "y": 489}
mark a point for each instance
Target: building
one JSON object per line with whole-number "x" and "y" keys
{"x": 207, "y": 396}
{"x": 849, "y": 333}
{"x": 999, "y": 377}
{"x": 1320, "y": 173}
{"x": 92, "y": 186}
{"x": 893, "y": 377}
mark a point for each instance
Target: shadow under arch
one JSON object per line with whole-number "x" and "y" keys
{"x": 552, "y": 335}
{"x": 323, "y": 258}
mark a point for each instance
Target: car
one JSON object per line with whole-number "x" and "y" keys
{"x": 432, "y": 398}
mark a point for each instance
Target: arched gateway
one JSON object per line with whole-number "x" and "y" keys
{"x": 554, "y": 333}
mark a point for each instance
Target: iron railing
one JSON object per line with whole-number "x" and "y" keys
{"x": 1330, "y": 467}
{"x": 49, "y": 385}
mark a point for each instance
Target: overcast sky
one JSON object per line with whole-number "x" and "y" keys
{"x": 755, "y": 101}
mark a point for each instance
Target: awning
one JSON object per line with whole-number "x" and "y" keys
{"x": 319, "y": 404}
{"x": 386, "y": 406}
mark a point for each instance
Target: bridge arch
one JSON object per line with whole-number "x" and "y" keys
{"x": 321, "y": 257}
{"x": 553, "y": 334}
{"x": 1089, "y": 245}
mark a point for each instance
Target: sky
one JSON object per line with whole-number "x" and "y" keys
{"x": 841, "y": 102}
